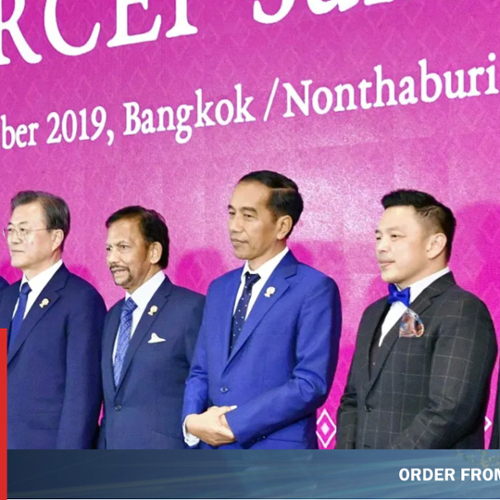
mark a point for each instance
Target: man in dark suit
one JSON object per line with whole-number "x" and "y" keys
{"x": 54, "y": 321}
{"x": 268, "y": 345}
{"x": 149, "y": 337}
{"x": 424, "y": 355}
{"x": 495, "y": 438}
{"x": 3, "y": 283}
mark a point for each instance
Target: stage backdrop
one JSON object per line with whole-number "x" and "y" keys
{"x": 167, "y": 103}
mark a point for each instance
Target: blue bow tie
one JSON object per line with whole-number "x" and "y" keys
{"x": 399, "y": 296}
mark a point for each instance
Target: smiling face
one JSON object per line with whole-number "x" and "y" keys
{"x": 32, "y": 247}
{"x": 408, "y": 250}
{"x": 257, "y": 235}
{"x": 130, "y": 259}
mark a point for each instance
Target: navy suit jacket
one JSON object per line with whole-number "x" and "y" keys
{"x": 3, "y": 283}
{"x": 145, "y": 410}
{"x": 281, "y": 368}
{"x": 53, "y": 367}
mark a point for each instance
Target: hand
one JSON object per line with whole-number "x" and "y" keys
{"x": 211, "y": 426}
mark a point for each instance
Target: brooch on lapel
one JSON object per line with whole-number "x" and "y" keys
{"x": 44, "y": 303}
{"x": 411, "y": 325}
{"x": 270, "y": 291}
{"x": 153, "y": 310}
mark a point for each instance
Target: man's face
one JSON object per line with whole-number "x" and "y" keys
{"x": 402, "y": 244}
{"x": 128, "y": 255}
{"x": 253, "y": 228}
{"x": 31, "y": 246}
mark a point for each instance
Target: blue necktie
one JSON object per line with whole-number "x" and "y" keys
{"x": 124, "y": 332}
{"x": 17, "y": 320}
{"x": 241, "y": 308}
{"x": 399, "y": 296}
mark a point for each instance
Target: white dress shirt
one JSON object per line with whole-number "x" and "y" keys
{"x": 397, "y": 309}
{"x": 37, "y": 284}
{"x": 142, "y": 296}
{"x": 264, "y": 272}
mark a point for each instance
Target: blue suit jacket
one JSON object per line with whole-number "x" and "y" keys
{"x": 3, "y": 283}
{"x": 145, "y": 410}
{"x": 281, "y": 368}
{"x": 53, "y": 367}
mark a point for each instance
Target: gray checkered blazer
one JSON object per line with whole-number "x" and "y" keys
{"x": 427, "y": 392}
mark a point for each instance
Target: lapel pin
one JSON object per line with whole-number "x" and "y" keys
{"x": 153, "y": 310}
{"x": 44, "y": 303}
{"x": 270, "y": 291}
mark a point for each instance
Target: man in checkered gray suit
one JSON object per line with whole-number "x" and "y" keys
{"x": 424, "y": 355}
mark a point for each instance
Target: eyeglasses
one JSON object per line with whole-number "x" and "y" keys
{"x": 22, "y": 233}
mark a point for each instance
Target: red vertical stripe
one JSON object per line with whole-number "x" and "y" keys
{"x": 3, "y": 413}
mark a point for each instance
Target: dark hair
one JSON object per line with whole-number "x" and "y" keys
{"x": 55, "y": 208}
{"x": 152, "y": 225}
{"x": 428, "y": 208}
{"x": 285, "y": 198}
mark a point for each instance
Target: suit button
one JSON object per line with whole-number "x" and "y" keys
{"x": 224, "y": 390}
{"x": 368, "y": 409}
{"x": 118, "y": 407}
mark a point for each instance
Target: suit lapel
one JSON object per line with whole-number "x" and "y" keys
{"x": 37, "y": 312}
{"x": 113, "y": 323}
{"x": 419, "y": 306}
{"x": 373, "y": 321}
{"x": 286, "y": 268}
{"x": 228, "y": 306}
{"x": 159, "y": 299}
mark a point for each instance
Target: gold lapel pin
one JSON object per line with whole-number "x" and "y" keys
{"x": 270, "y": 291}
{"x": 153, "y": 310}
{"x": 44, "y": 303}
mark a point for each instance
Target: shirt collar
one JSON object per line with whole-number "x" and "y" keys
{"x": 266, "y": 269}
{"x": 145, "y": 292}
{"x": 40, "y": 281}
{"x": 417, "y": 288}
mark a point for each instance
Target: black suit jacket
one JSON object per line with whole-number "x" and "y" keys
{"x": 145, "y": 410}
{"x": 426, "y": 392}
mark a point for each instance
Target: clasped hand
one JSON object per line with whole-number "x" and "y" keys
{"x": 211, "y": 426}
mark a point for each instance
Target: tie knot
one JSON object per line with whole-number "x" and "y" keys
{"x": 25, "y": 289}
{"x": 251, "y": 279}
{"x": 129, "y": 306}
{"x": 396, "y": 295}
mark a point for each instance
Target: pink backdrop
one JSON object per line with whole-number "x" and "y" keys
{"x": 342, "y": 161}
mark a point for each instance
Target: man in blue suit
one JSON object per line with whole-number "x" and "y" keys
{"x": 268, "y": 345}
{"x": 54, "y": 321}
{"x": 149, "y": 337}
{"x": 3, "y": 283}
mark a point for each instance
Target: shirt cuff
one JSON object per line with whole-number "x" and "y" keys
{"x": 190, "y": 439}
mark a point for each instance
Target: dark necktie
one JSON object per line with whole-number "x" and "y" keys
{"x": 124, "y": 332}
{"x": 241, "y": 309}
{"x": 399, "y": 296}
{"x": 17, "y": 320}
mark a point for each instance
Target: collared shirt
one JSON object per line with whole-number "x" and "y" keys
{"x": 37, "y": 284}
{"x": 142, "y": 296}
{"x": 397, "y": 309}
{"x": 264, "y": 271}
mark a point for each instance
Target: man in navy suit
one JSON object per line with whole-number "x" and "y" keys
{"x": 149, "y": 337}
{"x": 268, "y": 345}
{"x": 54, "y": 321}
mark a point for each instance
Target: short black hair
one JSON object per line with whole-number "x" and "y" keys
{"x": 151, "y": 224}
{"x": 56, "y": 210}
{"x": 436, "y": 214}
{"x": 285, "y": 198}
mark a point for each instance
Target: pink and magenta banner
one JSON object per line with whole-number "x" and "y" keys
{"x": 167, "y": 103}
